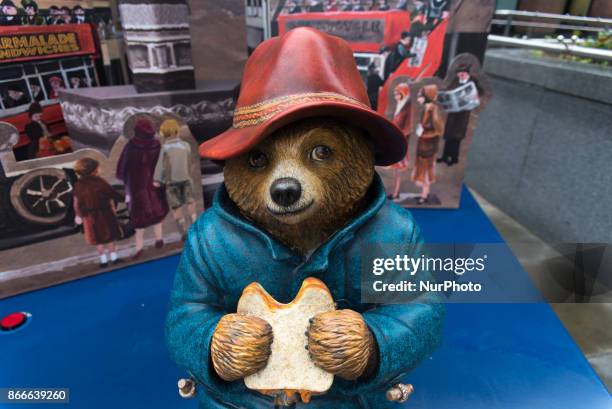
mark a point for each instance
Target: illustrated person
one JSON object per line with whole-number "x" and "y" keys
{"x": 331, "y": 5}
{"x": 9, "y": 146}
{"x": 418, "y": 13}
{"x": 55, "y": 16}
{"x": 373, "y": 83}
{"x": 435, "y": 11}
{"x": 146, "y": 203}
{"x": 345, "y": 5}
{"x": 15, "y": 96}
{"x": 401, "y": 5}
{"x": 357, "y": 6}
{"x": 35, "y": 129}
{"x": 56, "y": 84}
{"x": 419, "y": 45}
{"x": 300, "y": 198}
{"x": 172, "y": 171}
{"x": 77, "y": 82}
{"x": 316, "y": 6}
{"x": 31, "y": 10}
{"x": 37, "y": 91}
{"x": 457, "y": 122}
{"x": 9, "y": 15}
{"x": 429, "y": 131}
{"x": 293, "y": 8}
{"x": 401, "y": 51}
{"x": 78, "y": 15}
{"x": 401, "y": 118}
{"x": 65, "y": 15}
{"x": 383, "y": 5}
{"x": 42, "y": 143}
{"x": 94, "y": 207}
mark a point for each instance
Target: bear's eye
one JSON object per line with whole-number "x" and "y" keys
{"x": 320, "y": 152}
{"x": 257, "y": 159}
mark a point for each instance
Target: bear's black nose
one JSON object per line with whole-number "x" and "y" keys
{"x": 285, "y": 191}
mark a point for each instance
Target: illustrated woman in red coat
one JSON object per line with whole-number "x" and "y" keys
{"x": 147, "y": 204}
{"x": 401, "y": 118}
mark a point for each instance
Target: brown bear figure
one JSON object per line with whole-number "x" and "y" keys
{"x": 300, "y": 199}
{"x": 301, "y": 184}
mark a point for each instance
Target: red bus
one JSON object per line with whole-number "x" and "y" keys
{"x": 35, "y": 62}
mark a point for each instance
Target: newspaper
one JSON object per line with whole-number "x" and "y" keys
{"x": 463, "y": 98}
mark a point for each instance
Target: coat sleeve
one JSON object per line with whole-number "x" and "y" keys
{"x": 437, "y": 119}
{"x": 75, "y": 206}
{"x": 158, "y": 174}
{"x": 120, "y": 172}
{"x": 195, "y": 310}
{"x": 405, "y": 334}
{"x": 112, "y": 193}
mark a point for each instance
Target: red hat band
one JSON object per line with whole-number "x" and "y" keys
{"x": 256, "y": 114}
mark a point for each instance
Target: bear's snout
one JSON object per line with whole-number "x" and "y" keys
{"x": 285, "y": 191}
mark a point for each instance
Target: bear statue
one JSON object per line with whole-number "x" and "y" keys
{"x": 300, "y": 199}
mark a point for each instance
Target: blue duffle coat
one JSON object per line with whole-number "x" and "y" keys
{"x": 225, "y": 252}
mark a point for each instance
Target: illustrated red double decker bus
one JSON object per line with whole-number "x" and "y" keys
{"x": 370, "y": 32}
{"x": 35, "y": 63}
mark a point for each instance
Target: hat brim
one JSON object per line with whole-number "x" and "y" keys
{"x": 388, "y": 141}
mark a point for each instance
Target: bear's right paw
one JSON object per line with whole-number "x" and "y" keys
{"x": 240, "y": 346}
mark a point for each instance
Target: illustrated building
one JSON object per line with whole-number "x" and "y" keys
{"x": 158, "y": 44}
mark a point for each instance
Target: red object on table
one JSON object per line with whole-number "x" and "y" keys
{"x": 13, "y": 321}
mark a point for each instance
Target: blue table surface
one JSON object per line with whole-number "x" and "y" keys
{"x": 102, "y": 337}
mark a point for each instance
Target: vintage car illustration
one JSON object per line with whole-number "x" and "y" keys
{"x": 36, "y": 194}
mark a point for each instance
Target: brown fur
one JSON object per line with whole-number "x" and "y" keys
{"x": 240, "y": 346}
{"x": 341, "y": 343}
{"x": 337, "y": 185}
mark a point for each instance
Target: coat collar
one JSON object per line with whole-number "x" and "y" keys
{"x": 318, "y": 260}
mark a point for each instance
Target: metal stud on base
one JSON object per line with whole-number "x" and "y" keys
{"x": 400, "y": 393}
{"x": 186, "y": 388}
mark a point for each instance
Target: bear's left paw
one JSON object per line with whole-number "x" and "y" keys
{"x": 340, "y": 342}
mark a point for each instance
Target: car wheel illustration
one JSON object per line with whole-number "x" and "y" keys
{"x": 43, "y": 196}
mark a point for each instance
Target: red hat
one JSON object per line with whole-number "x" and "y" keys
{"x": 144, "y": 129}
{"x": 302, "y": 74}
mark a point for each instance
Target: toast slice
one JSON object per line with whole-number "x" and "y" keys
{"x": 289, "y": 368}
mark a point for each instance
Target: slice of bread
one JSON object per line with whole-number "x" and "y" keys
{"x": 289, "y": 368}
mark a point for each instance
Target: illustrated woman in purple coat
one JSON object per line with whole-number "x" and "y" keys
{"x": 147, "y": 204}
